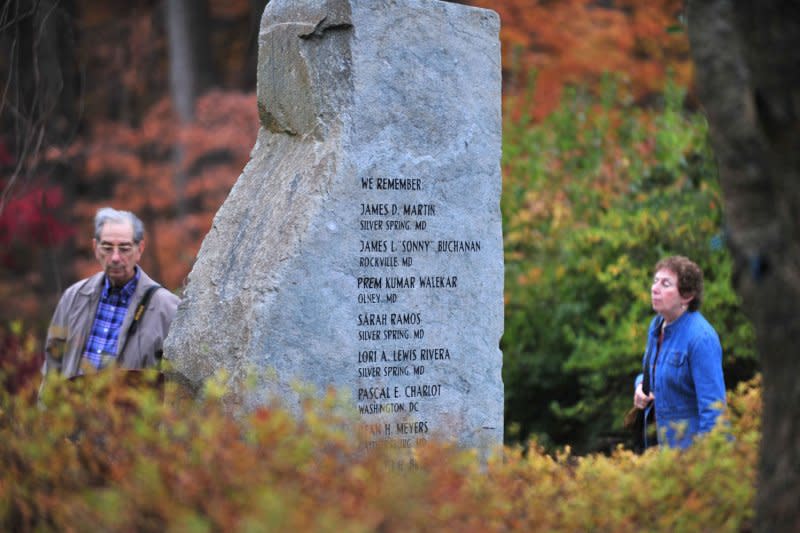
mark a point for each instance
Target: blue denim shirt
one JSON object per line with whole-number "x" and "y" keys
{"x": 688, "y": 378}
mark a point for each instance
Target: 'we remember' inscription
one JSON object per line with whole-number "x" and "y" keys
{"x": 402, "y": 352}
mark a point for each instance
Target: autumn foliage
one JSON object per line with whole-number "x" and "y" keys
{"x": 571, "y": 43}
{"x": 28, "y": 218}
{"x": 87, "y": 121}
{"x": 107, "y": 456}
{"x": 139, "y": 166}
{"x": 20, "y": 358}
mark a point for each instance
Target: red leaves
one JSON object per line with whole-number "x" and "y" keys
{"x": 29, "y": 218}
{"x": 142, "y": 166}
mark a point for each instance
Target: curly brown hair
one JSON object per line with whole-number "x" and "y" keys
{"x": 690, "y": 278}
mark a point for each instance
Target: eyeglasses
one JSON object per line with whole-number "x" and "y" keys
{"x": 124, "y": 248}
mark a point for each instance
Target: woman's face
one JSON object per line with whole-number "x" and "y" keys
{"x": 667, "y": 301}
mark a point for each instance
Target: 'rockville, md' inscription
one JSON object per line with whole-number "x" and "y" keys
{"x": 361, "y": 248}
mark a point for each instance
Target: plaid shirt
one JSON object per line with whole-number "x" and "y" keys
{"x": 101, "y": 348}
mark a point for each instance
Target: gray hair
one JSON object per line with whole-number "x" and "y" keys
{"x": 109, "y": 214}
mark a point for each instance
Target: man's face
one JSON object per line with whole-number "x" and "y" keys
{"x": 116, "y": 251}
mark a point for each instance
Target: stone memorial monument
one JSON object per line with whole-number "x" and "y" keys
{"x": 361, "y": 248}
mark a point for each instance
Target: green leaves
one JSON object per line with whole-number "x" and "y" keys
{"x": 593, "y": 197}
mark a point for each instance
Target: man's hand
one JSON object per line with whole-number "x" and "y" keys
{"x": 640, "y": 400}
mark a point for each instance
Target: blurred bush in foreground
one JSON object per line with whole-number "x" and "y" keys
{"x": 102, "y": 455}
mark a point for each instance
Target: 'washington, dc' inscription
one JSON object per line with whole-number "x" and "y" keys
{"x": 401, "y": 354}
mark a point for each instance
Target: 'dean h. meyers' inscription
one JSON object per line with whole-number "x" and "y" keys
{"x": 361, "y": 247}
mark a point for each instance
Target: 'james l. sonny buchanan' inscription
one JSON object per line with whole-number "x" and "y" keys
{"x": 361, "y": 247}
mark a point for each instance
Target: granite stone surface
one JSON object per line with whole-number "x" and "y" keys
{"x": 361, "y": 247}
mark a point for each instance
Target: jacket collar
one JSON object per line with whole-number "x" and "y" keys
{"x": 94, "y": 284}
{"x": 658, "y": 321}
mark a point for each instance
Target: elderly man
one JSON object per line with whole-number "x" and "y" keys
{"x": 118, "y": 317}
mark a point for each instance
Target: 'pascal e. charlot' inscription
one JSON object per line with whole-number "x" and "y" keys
{"x": 397, "y": 249}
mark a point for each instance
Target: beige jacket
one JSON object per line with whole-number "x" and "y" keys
{"x": 74, "y": 315}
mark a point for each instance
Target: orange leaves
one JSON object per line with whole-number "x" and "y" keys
{"x": 120, "y": 457}
{"x": 174, "y": 178}
{"x": 573, "y": 42}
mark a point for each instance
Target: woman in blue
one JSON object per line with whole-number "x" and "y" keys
{"x": 682, "y": 364}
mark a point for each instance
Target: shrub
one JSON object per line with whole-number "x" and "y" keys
{"x": 103, "y": 455}
{"x": 20, "y": 357}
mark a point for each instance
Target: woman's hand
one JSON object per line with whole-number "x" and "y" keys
{"x": 640, "y": 400}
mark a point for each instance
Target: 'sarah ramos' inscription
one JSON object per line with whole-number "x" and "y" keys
{"x": 389, "y": 319}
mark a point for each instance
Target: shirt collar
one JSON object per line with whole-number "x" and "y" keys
{"x": 127, "y": 290}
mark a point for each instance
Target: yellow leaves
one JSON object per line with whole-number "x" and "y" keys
{"x": 622, "y": 276}
{"x": 531, "y": 277}
{"x": 201, "y": 471}
{"x": 621, "y": 266}
{"x": 216, "y": 386}
{"x": 560, "y": 214}
{"x": 15, "y": 326}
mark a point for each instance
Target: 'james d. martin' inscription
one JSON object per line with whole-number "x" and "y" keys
{"x": 361, "y": 248}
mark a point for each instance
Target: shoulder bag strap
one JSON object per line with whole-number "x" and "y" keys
{"x": 137, "y": 316}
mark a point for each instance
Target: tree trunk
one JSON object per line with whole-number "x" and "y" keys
{"x": 248, "y": 79}
{"x": 747, "y": 57}
{"x": 190, "y": 71}
{"x": 190, "y": 65}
